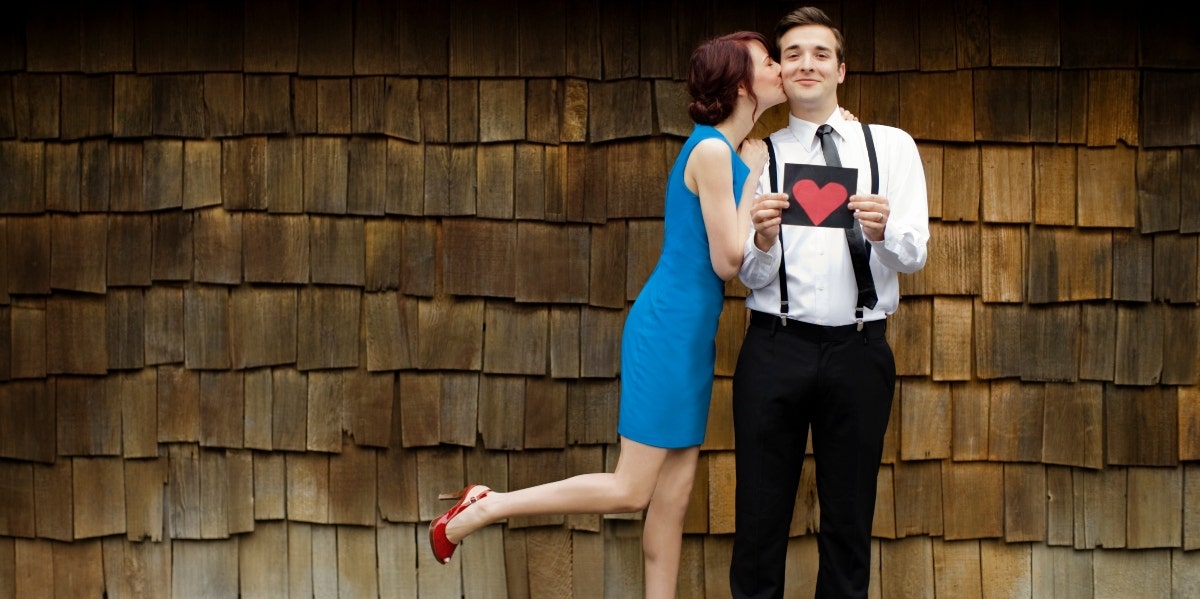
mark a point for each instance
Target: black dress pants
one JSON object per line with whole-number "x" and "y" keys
{"x": 840, "y": 381}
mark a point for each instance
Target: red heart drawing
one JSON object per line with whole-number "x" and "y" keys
{"x": 819, "y": 203}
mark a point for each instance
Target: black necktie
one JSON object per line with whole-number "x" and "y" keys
{"x": 860, "y": 250}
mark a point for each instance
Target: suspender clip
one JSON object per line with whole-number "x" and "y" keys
{"x": 859, "y": 321}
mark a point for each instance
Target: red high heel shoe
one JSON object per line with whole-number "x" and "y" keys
{"x": 443, "y": 549}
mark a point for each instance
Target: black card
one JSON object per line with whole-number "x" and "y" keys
{"x": 817, "y": 195}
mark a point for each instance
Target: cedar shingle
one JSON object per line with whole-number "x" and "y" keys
{"x": 28, "y": 317}
{"x": 1183, "y": 330}
{"x": 1007, "y": 184}
{"x": 217, "y": 243}
{"x": 1132, "y": 266}
{"x": 224, "y": 103}
{"x": 911, "y": 327}
{"x": 28, "y": 423}
{"x": 897, "y": 41}
{"x": 215, "y": 34}
{"x": 1113, "y": 107}
{"x": 368, "y": 103}
{"x": 1073, "y": 432}
{"x": 133, "y": 105}
{"x": 418, "y": 272}
{"x": 1054, "y": 182}
{"x": 162, "y": 174}
{"x": 998, "y": 351}
{"x": 52, "y": 39}
{"x": 1139, "y": 350}
{"x": 329, "y": 338}
{"x": 325, "y": 399}
{"x": 244, "y": 173}
{"x": 164, "y": 325}
{"x": 222, "y": 411}
{"x": 271, "y": 36}
{"x": 450, "y": 334}
{"x": 962, "y": 183}
{"x": 333, "y": 106}
{"x": 269, "y": 488}
{"x": 257, "y": 397}
{"x": 1141, "y": 426}
{"x": 89, "y": 418}
{"x": 178, "y": 109}
{"x": 586, "y": 170}
{"x": 405, "y": 178}
{"x": 644, "y": 247}
{"x": 1158, "y": 183}
{"x": 583, "y": 46}
{"x": 308, "y": 487}
{"x": 1100, "y": 504}
{"x": 87, "y": 106}
{"x": 178, "y": 405}
{"x": 36, "y": 102}
{"x": 503, "y": 411}
{"x": 495, "y": 179}
{"x": 401, "y": 109}
{"x": 367, "y": 176}
{"x": 304, "y": 106}
{"x": 937, "y": 36}
{"x": 464, "y": 107}
{"x": 600, "y": 342}
{"x": 934, "y": 106}
{"x": 633, "y": 188}
{"x": 529, "y": 185}
{"x": 565, "y": 351}
{"x": 880, "y": 97}
{"x": 94, "y": 165}
{"x": 480, "y": 257}
{"x": 544, "y": 400}
{"x": 8, "y": 127}
{"x": 484, "y": 39}
{"x": 76, "y": 334}
{"x": 459, "y": 409}
{"x": 1043, "y": 106}
{"x": 1155, "y": 508}
{"x": 326, "y": 39}
{"x": 289, "y": 395}
{"x": 240, "y": 489}
{"x": 397, "y": 469}
{"x": 338, "y": 250}
{"x": 952, "y": 348}
{"x": 972, "y": 404}
{"x": 671, "y": 102}
{"x": 1054, "y": 272}
{"x": 22, "y": 168}
{"x": 137, "y": 392}
{"x": 656, "y": 43}
{"x": 387, "y": 333}
{"x": 284, "y": 191}
{"x": 554, "y": 264}
{"x": 1050, "y": 343}
{"x": 925, "y": 407}
{"x": 1024, "y": 503}
{"x": 52, "y": 488}
{"x": 1024, "y": 34}
{"x": 125, "y": 177}
{"x": 434, "y": 103}
{"x": 275, "y": 248}
{"x": 542, "y": 38}
{"x": 919, "y": 490}
{"x": 440, "y": 470}
{"x": 172, "y": 246}
{"x": 367, "y": 409}
{"x": 106, "y": 38}
{"x": 501, "y": 110}
{"x": 1072, "y": 107}
{"x": 606, "y": 272}
{"x": 1015, "y": 421}
{"x": 267, "y": 104}
{"x": 619, "y": 109}
{"x": 1060, "y": 511}
{"x": 970, "y": 509}
{"x": 160, "y": 38}
{"x": 201, "y": 173}
{"x": 206, "y": 327}
{"x": 1175, "y": 269}
{"x": 1002, "y": 249}
{"x": 77, "y": 246}
{"x": 263, "y": 324}
{"x": 1093, "y": 37}
{"x": 575, "y": 111}
{"x": 127, "y": 258}
{"x": 99, "y": 483}
{"x": 383, "y": 246}
{"x": 376, "y": 46}
{"x": 326, "y": 174}
{"x": 1162, "y": 91}
{"x": 515, "y": 338}
{"x": 126, "y": 318}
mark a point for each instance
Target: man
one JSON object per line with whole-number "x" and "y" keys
{"x": 815, "y": 352}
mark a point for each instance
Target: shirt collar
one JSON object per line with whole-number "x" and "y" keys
{"x": 806, "y": 130}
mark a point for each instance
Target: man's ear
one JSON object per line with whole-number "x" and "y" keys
{"x": 842, "y": 73}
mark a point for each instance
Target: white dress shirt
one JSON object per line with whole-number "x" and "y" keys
{"x": 820, "y": 277}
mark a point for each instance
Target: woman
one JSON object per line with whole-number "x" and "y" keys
{"x": 667, "y": 348}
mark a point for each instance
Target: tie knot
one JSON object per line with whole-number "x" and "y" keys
{"x": 824, "y": 130}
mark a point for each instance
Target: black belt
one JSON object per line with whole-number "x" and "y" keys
{"x": 816, "y": 332}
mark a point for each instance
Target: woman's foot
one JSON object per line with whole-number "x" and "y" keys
{"x": 443, "y": 547}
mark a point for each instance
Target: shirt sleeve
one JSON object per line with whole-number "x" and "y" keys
{"x": 759, "y": 268}
{"x": 903, "y": 248}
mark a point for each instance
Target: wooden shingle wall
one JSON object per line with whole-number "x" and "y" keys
{"x": 275, "y": 274}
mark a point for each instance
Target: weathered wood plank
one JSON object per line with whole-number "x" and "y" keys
{"x": 102, "y": 482}
{"x": 1002, "y": 107}
{"x": 178, "y": 404}
{"x": 926, "y": 407}
{"x": 555, "y": 264}
{"x": 137, "y": 394}
{"x": 935, "y": 106}
{"x": 144, "y": 497}
{"x": 919, "y": 489}
{"x": 222, "y": 409}
{"x": 352, "y": 486}
{"x": 76, "y": 335}
{"x": 970, "y": 507}
{"x": 89, "y": 418}
{"x": 1113, "y": 107}
{"x": 87, "y": 106}
{"x": 479, "y": 257}
{"x": 206, "y": 327}
{"x": 164, "y": 326}
{"x": 600, "y": 342}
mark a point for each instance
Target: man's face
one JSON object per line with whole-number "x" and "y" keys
{"x": 811, "y": 72}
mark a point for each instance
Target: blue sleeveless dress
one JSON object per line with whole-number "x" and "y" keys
{"x": 668, "y": 349}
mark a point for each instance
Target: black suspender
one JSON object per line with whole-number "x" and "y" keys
{"x": 860, "y": 256}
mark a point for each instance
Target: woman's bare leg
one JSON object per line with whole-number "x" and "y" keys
{"x": 628, "y": 489}
{"x": 662, "y": 535}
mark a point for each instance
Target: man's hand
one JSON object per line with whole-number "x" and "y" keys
{"x": 872, "y": 212}
{"x": 767, "y": 215}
